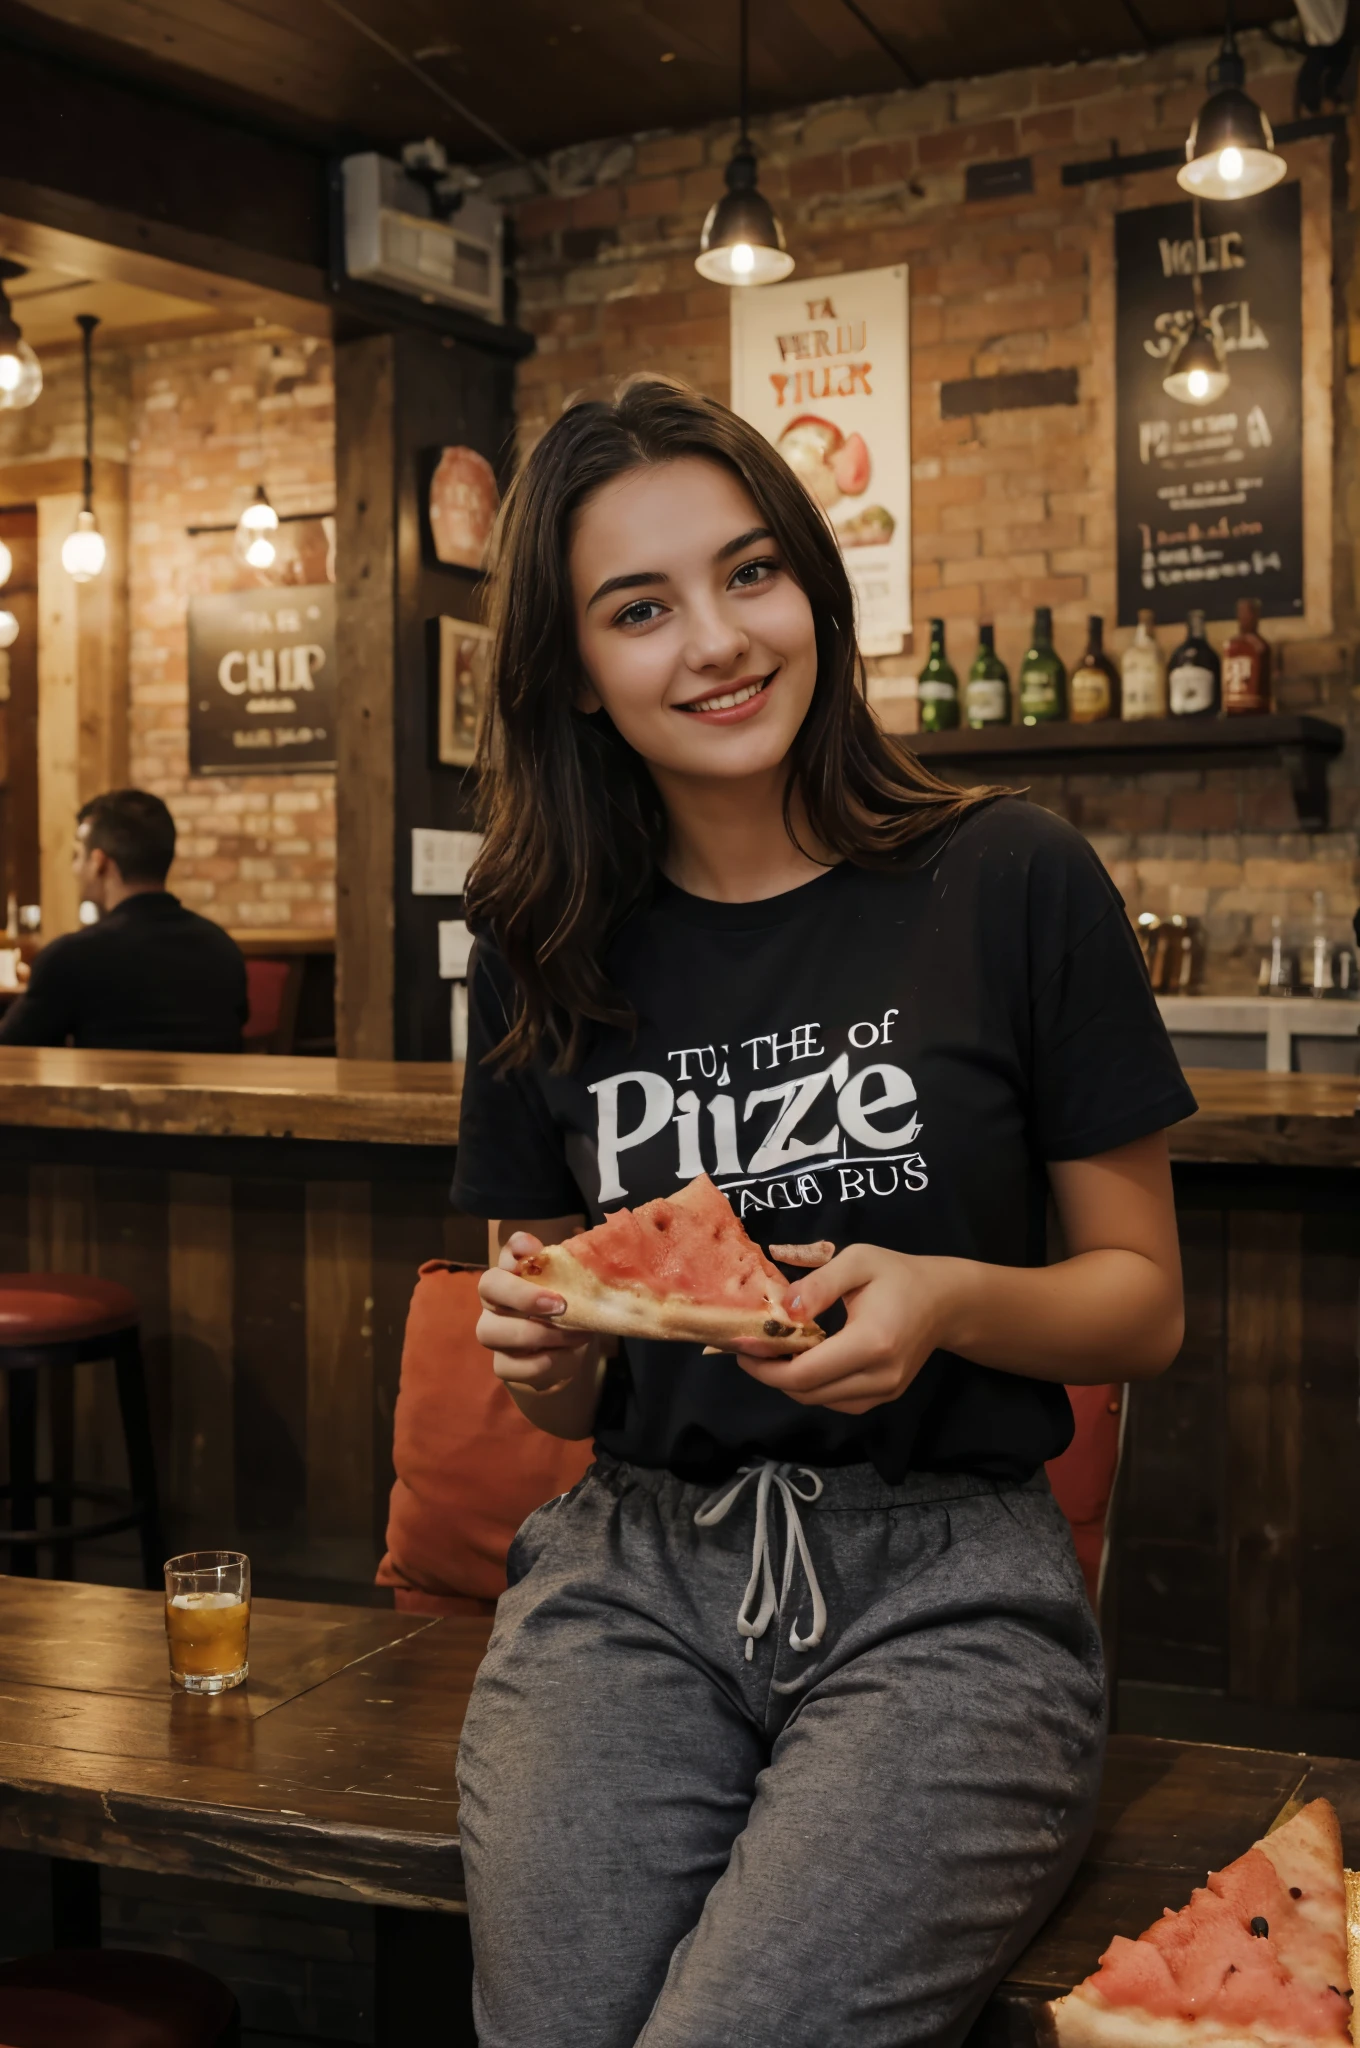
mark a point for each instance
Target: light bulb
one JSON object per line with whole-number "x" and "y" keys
{"x": 1230, "y": 165}
{"x": 21, "y": 377}
{"x": 259, "y": 517}
{"x": 1198, "y": 382}
{"x": 251, "y": 543}
{"x": 6, "y": 563}
{"x": 742, "y": 258}
{"x": 83, "y": 552}
{"x": 9, "y": 629}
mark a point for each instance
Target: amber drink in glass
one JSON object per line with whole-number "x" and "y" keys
{"x": 207, "y": 1619}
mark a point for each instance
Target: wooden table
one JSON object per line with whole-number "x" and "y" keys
{"x": 333, "y": 1773}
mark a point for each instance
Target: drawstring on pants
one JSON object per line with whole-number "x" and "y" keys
{"x": 716, "y": 1508}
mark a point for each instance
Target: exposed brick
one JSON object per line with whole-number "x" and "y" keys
{"x": 598, "y": 208}
{"x": 967, "y": 145}
{"x": 669, "y": 153}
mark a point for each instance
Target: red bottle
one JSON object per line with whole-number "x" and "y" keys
{"x": 1246, "y": 664}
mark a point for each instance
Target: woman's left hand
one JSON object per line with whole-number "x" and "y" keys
{"x": 898, "y": 1309}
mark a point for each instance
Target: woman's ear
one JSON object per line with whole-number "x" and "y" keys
{"x": 587, "y": 697}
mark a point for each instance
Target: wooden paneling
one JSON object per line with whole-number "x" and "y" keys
{"x": 82, "y": 686}
{"x": 200, "y": 1480}
{"x": 340, "y": 1403}
{"x": 1264, "y": 1440}
{"x": 1172, "y": 1556}
{"x": 366, "y": 628}
{"x": 1329, "y": 1482}
{"x": 269, "y": 1311}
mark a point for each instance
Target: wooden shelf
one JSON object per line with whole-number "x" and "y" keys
{"x": 1301, "y": 744}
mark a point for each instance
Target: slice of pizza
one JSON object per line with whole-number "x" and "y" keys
{"x": 1256, "y": 1960}
{"x": 681, "y": 1268}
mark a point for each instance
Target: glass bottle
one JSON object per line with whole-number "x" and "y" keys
{"x": 1094, "y": 685}
{"x": 987, "y": 693}
{"x": 1193, "y": 675}
{"x": 1043, "y": 679}
{"x": 1144, "y": 674}
{"x": 937, "y": 687}
{"x": 1246, "y": 664}
{"x": 1320, "y": 964}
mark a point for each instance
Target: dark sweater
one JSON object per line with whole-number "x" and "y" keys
{"x": 151, "y": 976}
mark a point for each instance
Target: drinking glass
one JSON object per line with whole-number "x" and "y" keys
{"x": 207, "y": 1619}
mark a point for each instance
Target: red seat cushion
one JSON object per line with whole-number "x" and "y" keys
{"x": 469, "y": 1467}
{"x": 1083, "y": 1477}
{"x": 59, "y": 1308}
{"x": 111, "y": 1998}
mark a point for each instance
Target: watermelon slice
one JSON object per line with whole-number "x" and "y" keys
{"x": 1257, "y": 1957}
{"x": 680, "y": 1268}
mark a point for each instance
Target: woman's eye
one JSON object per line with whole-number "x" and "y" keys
{"x": 752, "y": 574}
{"x": 640, "y": 613}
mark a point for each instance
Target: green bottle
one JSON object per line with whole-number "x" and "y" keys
{"x": 987, "y": 693}
{"x": 1043, "y": 679}
{"x": 937, "y": 688}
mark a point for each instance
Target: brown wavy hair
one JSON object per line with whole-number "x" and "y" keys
{"x": 574, "y": 826}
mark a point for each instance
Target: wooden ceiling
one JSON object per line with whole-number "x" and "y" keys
{"x": 546, "y": 73}
{"x": 47, "y": 300}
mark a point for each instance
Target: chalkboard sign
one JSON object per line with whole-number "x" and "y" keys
{"x": 1209, "y": 498}
{"x": 262, "y": 680}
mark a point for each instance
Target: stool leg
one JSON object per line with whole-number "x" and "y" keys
{"x": 61, "y": 1412}
{"x": 23, "y": 1467}
{"x": 141, "y": 1455}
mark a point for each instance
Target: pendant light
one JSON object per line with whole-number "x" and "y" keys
{"x": 742, "y": 242}
{"x": 83, "y": 552}
{"x": 20, "y": 371}
{"x": 254, "y": 543}
{"x": 1231, "y": 150}
{"x": 1197, "y": 374}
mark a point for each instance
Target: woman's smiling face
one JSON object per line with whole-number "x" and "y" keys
{"x": 692, "y": 634}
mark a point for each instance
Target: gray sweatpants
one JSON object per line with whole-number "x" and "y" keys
{"x": 671, "y": 1846}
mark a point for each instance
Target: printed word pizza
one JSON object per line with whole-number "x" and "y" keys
{"x": 680, "y": 1268}
{"x": 1256, "y": 1960}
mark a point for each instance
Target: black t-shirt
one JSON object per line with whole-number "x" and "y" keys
{"x": 151, "y": 976}
{"x": 886, "y": 1058}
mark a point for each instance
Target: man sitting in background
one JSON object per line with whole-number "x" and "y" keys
{"x": 150, "y": 974}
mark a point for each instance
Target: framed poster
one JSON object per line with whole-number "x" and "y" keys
{"x": 1210, "y": 499}
{"x": 464, "y": 655}
{"x": 262, "y": 680}
{"x": 820, "y": 367}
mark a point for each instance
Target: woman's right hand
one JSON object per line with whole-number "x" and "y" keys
{"x": 532, "y": 1356}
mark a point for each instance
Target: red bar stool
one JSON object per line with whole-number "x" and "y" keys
{"x": 114, "y": 1998}
{"x": 50, "y": 1322}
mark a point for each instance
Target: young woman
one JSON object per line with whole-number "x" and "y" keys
{"x": 790, "y": 1730}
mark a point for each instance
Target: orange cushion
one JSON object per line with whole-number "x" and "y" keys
{"x": 1083, "y": 1477}
{"x": 469, "y": 1467}
{"x": 59, "y": 1308}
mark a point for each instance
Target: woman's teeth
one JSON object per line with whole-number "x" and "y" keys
{"x": 732, "y": 699}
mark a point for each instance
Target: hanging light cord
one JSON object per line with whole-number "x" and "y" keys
{"x": 87, "y": 323}
{"x": 742, "y": 62}
{"x": 1197, "y": 282}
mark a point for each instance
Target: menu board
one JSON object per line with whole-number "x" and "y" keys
{"x": 262, "y": 680}
{"x": 1209, "y": 498}
{"x": 820, "y": 367}
{"x": 262, "y": 695}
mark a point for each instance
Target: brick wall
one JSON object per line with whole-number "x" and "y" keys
{"x": 209, "y": 418}
{"x": 1010, "y": 509}
{"x": 200, "y": 421}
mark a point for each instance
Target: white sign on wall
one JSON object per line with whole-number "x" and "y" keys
{"x": 820, "y": 366}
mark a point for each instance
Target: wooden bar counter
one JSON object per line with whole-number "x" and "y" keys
{"x": 271, "y": 1214}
